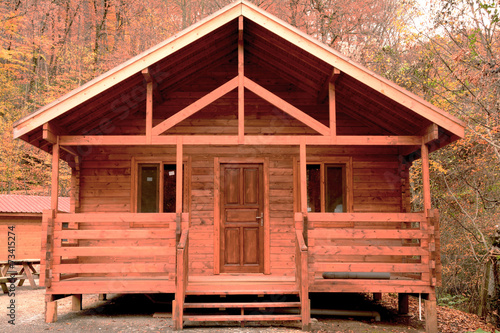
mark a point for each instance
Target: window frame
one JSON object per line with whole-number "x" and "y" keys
{"x": 160, "y": 161}
{"x": 343, "y": 161}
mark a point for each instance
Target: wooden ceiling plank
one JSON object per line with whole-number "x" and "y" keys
{"x": 286, "y": 107}
{"x": 258, "y": 34}
{"x": 282, "y": 74}
{"x": 374, "y": 111}
{"x": 287, "y": 66}
{"x": 368, "y": 119}
{"x": 195, "y": 107}
{"x": 388, "y": 106}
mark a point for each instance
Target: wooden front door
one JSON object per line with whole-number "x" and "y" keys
{"x": 242, "y": 221}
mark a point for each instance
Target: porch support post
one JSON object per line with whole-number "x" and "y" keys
{"x": 303, "y": 190}
{"x": 426, "y": 186}
{"x": 431, "y": 314}
{"x": 55, "y": 176}
{"x": 149, "y": 112}
{"x": 332, "y": 108}
{"x": 178, "y": 186}
{"x": 241, "y": 87}
{"x": 303, "y": 179}
{"x": 50, "y": 309}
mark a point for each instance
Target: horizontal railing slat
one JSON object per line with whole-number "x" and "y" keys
{"x": 342, "y": 233}
{"x": 116, "y": 234}
{"x": 368, "y": 250}
{"x": 115, "y": 268}
{"x": 366, "y": 217}
{"x": 127, "y": 251}
{"x": 117, "y": 217}
{"x": 370, "y": 267}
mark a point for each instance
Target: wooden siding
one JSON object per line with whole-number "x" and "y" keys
{"x": 106, "y": 187}
{"x": 28, "y": 229}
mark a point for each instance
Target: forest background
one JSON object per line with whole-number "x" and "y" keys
{"x": 446, "y": 51}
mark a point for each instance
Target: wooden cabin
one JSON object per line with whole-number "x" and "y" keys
{"x": 24, "y": 213}
{"x": 240, "y": 157}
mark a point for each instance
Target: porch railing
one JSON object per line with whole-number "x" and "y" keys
{"x": 378, "y": 252}
{"x": 114, "y": 245}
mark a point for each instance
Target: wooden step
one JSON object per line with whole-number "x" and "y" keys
{"x": 272, "y": 317}
{"x": 241, "y": 288}
{"x": 238, "y": 305}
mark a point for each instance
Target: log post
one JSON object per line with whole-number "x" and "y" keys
{"x": 50, "y": 309}
{"x": 430, "y": 306}
{"x": 403, "y": 304}
{"x": 76, "y": 302}
{"x": 426, "y": 185}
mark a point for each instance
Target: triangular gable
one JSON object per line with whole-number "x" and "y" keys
{"x": 265, "y": 21}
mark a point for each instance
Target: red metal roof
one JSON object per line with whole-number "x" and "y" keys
{"x": 29, "y": 203}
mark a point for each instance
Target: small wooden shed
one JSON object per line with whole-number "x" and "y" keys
{"x": 24, "y": 212}
{"x": 239, "y": 157}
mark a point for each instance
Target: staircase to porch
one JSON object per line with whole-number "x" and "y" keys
{"x": 240, "y": 297}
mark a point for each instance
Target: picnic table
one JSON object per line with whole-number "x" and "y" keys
{"x": 27, "y": 272}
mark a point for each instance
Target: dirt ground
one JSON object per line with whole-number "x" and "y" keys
{"x": 134, "y": 313}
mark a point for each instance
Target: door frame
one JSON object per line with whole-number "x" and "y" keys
{"x": 217, "y": 220}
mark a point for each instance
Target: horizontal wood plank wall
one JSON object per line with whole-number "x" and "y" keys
{"x": 106, "y": 187}
{"x": 27, "y": 231}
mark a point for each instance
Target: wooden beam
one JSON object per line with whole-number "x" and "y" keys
{"x": 426, "y": 186}
{"x": 50, "y": 132}
{"x": 195, "y": 107}
{"x": 54, "y": 194}
{"x": 378, "y": 140}
{"x": 241, "y": 87}
{"x": 431, "y": 133}
{"x": 158, "y": 98}
{"x": 332, "y": 107}
{"x": 286, "y": 107}
{"x": 149, "y": 111}
{"x": 303, "y": 178}
{"x": 325, "y": 88}
{"x": 204, "y": 140}
{"x": 179, "y": 178}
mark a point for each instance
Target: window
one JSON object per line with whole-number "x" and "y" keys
{"x": 328, "y": 186}
{"x": 156, "y": 187}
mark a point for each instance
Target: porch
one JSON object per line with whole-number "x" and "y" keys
{"x": 149, "y": 253}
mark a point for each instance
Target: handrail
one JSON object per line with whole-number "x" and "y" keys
{"x": 183, "y": 240}
{"x": 302, "y": 277}
{"x": 300, "y": 240}
{"x": 182, "y": 278}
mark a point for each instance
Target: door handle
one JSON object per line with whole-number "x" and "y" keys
{"x": 261, "y": 218}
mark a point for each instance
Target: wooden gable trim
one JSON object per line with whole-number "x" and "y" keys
{"x": 383, "y": 86}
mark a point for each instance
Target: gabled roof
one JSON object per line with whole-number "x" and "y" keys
{"x": 271, "y": 44}
{"x": 30, "y": 203}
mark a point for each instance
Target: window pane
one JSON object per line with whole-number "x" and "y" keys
{"x": 334, "y": 183}
{"x": 313, "y": 188}
{"x": 169, "y": 177}
{"x": 148, "y": 185}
